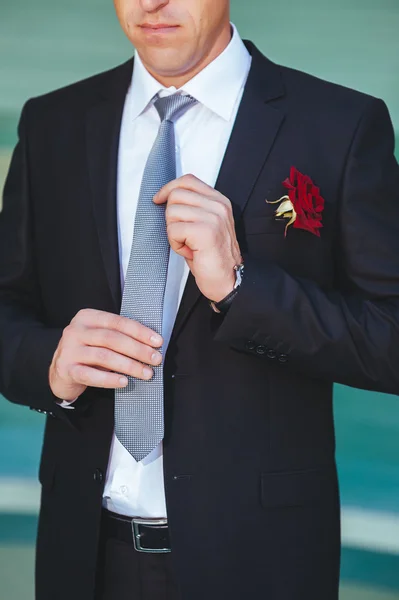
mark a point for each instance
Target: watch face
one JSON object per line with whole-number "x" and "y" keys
{"x": 239, "y": 275}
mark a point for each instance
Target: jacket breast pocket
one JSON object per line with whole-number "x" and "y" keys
{"x": 299, "y": 488}
{"x": 263, "y": 224}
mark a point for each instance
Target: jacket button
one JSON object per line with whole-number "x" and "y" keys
{"x": 283, "y": 358}
{"x": 261, "y": 350}
{"x": 98, "y": 476}
{"x": 272, "y": 354}
{"x": 250, "y": 345}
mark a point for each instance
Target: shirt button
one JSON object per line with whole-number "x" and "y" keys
{"x": 98, "y": 476}
{"x": 250, "y": 345}
{"x": 124, "y": 490}
{"x": 272, "y": 354}
{"x": 261, "y": 349}
{"x": 283, "y": 358}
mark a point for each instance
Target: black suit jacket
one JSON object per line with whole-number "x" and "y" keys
{"x": 249, "y": 465}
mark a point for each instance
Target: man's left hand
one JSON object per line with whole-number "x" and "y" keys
{"x": 200, "y": 228}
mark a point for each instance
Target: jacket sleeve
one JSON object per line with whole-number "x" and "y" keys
{"x": 27, "y": 346}
{"x": 349, "y": 335}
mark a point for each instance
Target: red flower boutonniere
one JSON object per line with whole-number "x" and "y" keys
{"x": 303, "y": 206}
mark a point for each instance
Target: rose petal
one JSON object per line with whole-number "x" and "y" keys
{"x": 306, "y": 201}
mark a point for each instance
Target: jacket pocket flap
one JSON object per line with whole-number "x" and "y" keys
{"x": 298, "y": 488}
{"x": 263, "y": 224}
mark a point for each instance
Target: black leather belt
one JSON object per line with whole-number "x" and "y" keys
{"x": 146, "y": 535}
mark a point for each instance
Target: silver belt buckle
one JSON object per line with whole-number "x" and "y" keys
{"x": 136, "y": 522}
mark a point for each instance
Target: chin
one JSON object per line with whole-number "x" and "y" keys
{"x": 165, "y": 62}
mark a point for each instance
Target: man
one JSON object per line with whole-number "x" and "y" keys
{"x": 194, "y": 247}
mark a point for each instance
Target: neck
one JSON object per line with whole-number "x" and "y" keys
{"x": 178, "y": 80}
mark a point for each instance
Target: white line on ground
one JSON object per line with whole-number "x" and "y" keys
{"x": 370, "y": 530}
{"x": 363, "y": 529}
{"x": 19, "y": 496}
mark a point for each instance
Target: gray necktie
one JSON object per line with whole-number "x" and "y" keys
{"x": 139, "y": 422}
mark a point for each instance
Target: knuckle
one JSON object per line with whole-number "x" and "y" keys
{"x": 81, "y": 314}
{"x": 79, "y": 374}
{"x": 174, "y": 196}
{"x": 115, "y": 321}
{"x": 107, "y": 336}
{"x": 104, "y": 319}
{"x": 69, "y": 336}
{"x": 60, "y": 368}
{"x": 121, "y": 364}
{"x": 224, "y": 210}
{"x": 215, "y": 221}
{"x": 68, "y": 332}
{"x": 71, "y": 328}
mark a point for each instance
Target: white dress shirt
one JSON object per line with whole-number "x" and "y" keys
{"x": 202, "y": 134}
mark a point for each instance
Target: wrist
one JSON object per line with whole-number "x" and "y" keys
{"x": 223, "y": 305}
{"x": 229, "y": 280}
{"x": 225, "y": 289}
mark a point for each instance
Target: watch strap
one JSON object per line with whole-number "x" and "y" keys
{"x": 224, "y": 305}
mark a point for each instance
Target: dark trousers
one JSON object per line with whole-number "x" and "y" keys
{"x": 125, "y": 574}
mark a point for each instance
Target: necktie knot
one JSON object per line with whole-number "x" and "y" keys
{"x": 170, "y": 108}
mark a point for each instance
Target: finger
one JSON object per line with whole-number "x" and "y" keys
{"x": 187, "y": 182}
{"x": 106, "y": 320}
{"x": 97, "y": 378}
{"x": 189, "y": 214}
{"x": 187, "y": 236}
{"x": 112, "y": 361}
{"x": 122, "y": 344}
{"x": 184, "y": 205}
{"x": 216, "y": 204}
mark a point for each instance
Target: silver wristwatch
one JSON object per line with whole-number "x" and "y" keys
{"x": 223, "y": 305}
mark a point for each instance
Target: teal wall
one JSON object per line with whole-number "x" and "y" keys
{"x": 46, "y": 44}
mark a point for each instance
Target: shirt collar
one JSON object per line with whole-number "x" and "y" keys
{"x": 217, "y": 86}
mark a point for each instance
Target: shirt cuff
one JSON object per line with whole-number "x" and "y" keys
{"x": 67, "y": 404}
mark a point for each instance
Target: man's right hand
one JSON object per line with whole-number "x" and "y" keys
{"x": 97, "y": 349}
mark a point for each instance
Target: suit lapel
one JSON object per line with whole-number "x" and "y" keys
{"x": 102, "y": 136}
{"x": 252, "y": 138}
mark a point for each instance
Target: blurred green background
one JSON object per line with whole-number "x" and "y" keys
{"x": 44, "y": 45}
